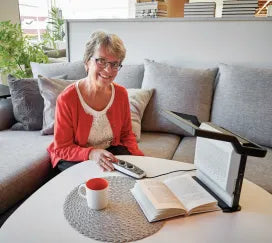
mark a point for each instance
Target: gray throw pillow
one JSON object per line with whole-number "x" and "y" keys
{"x": 27, "y": 103}
{"x": 74, "y": 70}
{"x": 243, "y": 102}
{"x": 183, "y": 90}
{"x": 130, "y": 76}
{"x": 50, "y": 88}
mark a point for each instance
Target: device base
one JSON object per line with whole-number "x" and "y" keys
{"x": 225, "y": 208}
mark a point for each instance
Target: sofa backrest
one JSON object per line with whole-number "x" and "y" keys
{"x": 182, "y": 42}
{"x": 243, "y": 102}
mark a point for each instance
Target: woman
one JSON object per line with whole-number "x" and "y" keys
{"x": 93, "y": 119}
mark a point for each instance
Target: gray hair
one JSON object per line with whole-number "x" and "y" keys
{"x": 113, "y": 44}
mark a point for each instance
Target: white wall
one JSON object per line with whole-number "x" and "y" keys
{"x": 9, "y": 10}
{"x": 183, "y": 42}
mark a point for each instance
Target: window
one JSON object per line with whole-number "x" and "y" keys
{"x": 34, "y": 13}
{"x": 34, "y": 17}
{"x": 94, "y": 9}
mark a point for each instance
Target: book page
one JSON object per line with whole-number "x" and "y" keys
{"x": 159, "y": 194}
{"x": 146, "y": 206}
{"x": 189, "y": 192}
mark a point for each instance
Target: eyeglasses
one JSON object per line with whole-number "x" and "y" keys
{"x": 102, "y": 63}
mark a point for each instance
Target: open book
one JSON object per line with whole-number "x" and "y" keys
{"x": 180, "y": 195}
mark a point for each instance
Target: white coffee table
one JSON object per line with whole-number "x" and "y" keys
{"x": 40, "y": 218}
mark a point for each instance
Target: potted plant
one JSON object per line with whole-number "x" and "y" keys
{"x": 54, "y": 35}
{"x": 16, "y": 51}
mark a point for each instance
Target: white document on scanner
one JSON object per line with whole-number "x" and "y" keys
{"x": 217, "y": 164}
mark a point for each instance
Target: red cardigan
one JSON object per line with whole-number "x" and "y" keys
{"x": 72, "y": 126}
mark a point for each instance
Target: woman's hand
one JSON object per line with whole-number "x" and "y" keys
{"x": 103, "y": 158}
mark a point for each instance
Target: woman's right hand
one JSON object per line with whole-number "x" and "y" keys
{"x": 103, "y": 158}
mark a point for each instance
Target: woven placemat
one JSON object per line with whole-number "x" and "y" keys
{"x": 121, "y": 221}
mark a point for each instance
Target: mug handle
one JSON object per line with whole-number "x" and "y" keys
{"x": 80, "y": 190}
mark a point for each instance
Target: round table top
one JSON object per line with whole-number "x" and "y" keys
{"x": 40, "y": 218}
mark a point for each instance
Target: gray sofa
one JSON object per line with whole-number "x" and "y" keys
{"x": 226, "y": 95}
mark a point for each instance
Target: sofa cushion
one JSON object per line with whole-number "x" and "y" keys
{"x": 50, "y": 89}
{"x": 130, "y": 76}
{"x": 138, "y": 100}
{"x": 24, "y": 165}
{"x": 6, "y": 114}
{"x": 159, "y": 145}
{"x": 259, "y": 170}
{"x": 74, "y": 70}
{"x": 27, "y": 103}
{"x": 186, "y": 150}
{"x": 242, "y": 102}
{"x": 178, "y": 89}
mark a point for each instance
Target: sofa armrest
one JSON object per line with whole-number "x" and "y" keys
{"x": 6, "y": 114}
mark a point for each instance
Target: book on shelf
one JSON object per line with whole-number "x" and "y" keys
{"x": 238, "y": 12}
{"x": 238, "y": 9}
{"x": 153, "y": 14}
{"x": 238, "y": 15}
{"x": 144, "y": 1}
{"x": 151, "y": 5}
{"x": 146, "y": 11}
{"x": 179, "y": 195}
{"x": 203, "y": 5}
{"x": 238, "y": 2}
{"x": 240, "y": 6}
{"x": 199, "y": 7}
{"x": 269, "y": 11}
{"x": 150, "y": 11}
{"x": 199, "y": 4}
{"x": 146, "y": 16}
{"x": 199, "y": 11}
{"x": 200, "y": 15}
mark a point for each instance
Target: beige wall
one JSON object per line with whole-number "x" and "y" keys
{"x": 9, "y": 10}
